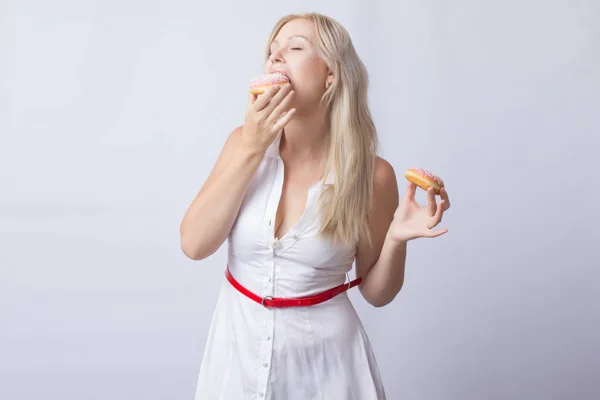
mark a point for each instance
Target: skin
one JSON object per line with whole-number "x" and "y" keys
{"x": 394, "y": 222}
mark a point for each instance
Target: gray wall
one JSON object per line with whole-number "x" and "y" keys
{"x": 112, "y": 114}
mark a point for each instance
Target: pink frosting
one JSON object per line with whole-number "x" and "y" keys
{"x": 428, "y": 175}
{"x": 268, "y": 79}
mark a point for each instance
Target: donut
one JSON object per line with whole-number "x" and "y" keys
{"x": 260, "y": 83}
{"x": 424, "y": 179}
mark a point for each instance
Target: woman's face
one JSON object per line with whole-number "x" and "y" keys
{"x": 293, "y": 52}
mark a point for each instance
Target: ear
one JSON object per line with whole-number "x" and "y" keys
{"x": 330, "y": 78}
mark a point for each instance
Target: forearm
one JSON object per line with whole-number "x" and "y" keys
{"x": 213, "y": 212}
{"x": 386, "y": 277}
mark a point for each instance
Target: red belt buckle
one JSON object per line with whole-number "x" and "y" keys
{"x": 262, "y": 302}
{"x": 275, "y": 302}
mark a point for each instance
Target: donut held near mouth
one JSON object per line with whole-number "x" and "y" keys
{"x": 259, "y": 84}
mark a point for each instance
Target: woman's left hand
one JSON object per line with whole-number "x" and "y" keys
{"x": 412, "y": 220}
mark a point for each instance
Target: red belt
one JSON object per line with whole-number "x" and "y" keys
{"x": 277, "y": 302}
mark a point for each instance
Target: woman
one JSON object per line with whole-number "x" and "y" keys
{"x": 300, "y": 194}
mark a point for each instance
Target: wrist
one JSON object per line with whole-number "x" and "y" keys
{"x": 396, "y": 240}
{"x": 249, "y": 153}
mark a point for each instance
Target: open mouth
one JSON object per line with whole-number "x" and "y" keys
{"x": 282, "y": 74}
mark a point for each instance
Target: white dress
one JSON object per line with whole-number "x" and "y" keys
{"x": 300, "y": 353}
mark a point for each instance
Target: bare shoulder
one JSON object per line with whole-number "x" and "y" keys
{"x": 385, "y": 202}
{"x": 384, "y": 180}
{"x": 385, "y": 198}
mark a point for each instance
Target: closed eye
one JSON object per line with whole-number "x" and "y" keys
{"x": 293, "y": 48}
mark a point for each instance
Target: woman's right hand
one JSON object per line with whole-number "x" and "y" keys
{"x": 265, "y": 117}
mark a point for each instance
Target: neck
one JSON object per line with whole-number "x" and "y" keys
{"x": 305, "y": 137}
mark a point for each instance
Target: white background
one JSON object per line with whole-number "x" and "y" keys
{"x": 113, "y": 112}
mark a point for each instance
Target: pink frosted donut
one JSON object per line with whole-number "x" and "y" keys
{"x": 259, "y": 84}
{"x": 424, "y": 179}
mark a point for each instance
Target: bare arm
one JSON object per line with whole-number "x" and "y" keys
{"x": 213, "y": 212}
{"x": 393, "y": 224}
{"x": 211, "y": 215}
{"x": 382, "y": 264}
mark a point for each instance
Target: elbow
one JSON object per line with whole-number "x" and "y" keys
{"x": 379, "y": 303}
{"x": 190, "y": 251}
{"x": 195, "y": 252}
{"x": 193, "y": 249}
{"x": 200, "y": 245}
{"x": 374, "y": 300}
{"x": 381, "y": 299}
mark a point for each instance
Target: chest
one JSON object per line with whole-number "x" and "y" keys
{"x": 293, "y": 201}
{"x": 287, "y": 215}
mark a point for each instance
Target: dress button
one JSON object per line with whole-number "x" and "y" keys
{"x": 261, "y": 394}
{"x": 265, "y": 365}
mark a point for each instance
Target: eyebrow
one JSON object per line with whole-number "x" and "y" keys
{"x": 294, "y": 36}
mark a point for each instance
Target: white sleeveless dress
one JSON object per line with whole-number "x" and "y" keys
{"x": 300, "y": 353}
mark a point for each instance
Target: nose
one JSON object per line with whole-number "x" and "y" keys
{"x": 275, "y": 57}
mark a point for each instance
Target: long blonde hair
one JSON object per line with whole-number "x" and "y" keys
{"x": 353, "y": 137}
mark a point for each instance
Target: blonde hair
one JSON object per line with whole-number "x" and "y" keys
{"x": 353, "y": 137}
